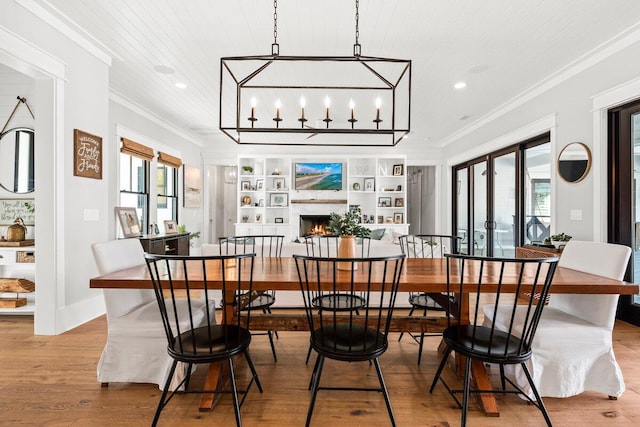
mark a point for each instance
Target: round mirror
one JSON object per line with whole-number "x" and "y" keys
{"x": 574, "y": 162}
{"x": 16, "y": 160}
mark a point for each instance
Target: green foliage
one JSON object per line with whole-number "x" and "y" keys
{"x": 561, "y": 237}
{"x": 347, "y": 224}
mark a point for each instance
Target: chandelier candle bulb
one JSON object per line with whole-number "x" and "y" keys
{"x": 302, "y": 119}
{"x": 253, "y": 118}
{"x": 378, "y": 120}
{"x": 352, "y": 106}
{"x": 327, "y": 104}
{"x": 277, "y": 118}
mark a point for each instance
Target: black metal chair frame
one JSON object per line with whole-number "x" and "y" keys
{"x": 270, "y": 246}
{"x": 348, "y": 336}
{"x": 197, "y": 344}
{"x": 422, "y": 246}
{"x": 489, "y": 342}
{"x": 321, "y": 246}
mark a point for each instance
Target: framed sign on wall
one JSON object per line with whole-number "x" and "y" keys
{"x": 87, "y": 155}
{"x": 10, "y": 209}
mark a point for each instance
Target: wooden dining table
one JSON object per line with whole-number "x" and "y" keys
{"x": 417, "y": 275}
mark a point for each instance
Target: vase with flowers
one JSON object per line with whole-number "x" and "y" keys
{"x": 348, "y": 227}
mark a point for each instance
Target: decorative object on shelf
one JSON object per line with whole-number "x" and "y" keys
{"x": 388, "y": 220}
{"x": 192, "y": 187}
{"x": 245, "y": 218}
{"x": 279, "y": 184}
{"x": 258, "y": 218}
{"x": 16, "y": 286}
{"x": 399, "y": 202}
{"x": 259, "y": 184}
{"x": 278, "y": 199}
{"x": 247, "y": 170}
{"x": 348, "y": 227}
{"x": 230, "y": 174}
{"x": 87, "y": 155}
{"x": 128, "y": 218}
{"x": 170, "y": 227}
{"x": 276, "y": 172}
{"x": 398, "y": 218}
{"x": 399, "y": 187}
{"x": 246, "y": 185}
{"x": 278, "y": 220}
{"x": 384, "y": 202}
{"x": 261, "y": 203}
{"x": 558, "y": 240}
{"x": 397, "y": 170}
{"x": 246, "y": 201}
{"x": 356, "y": 186}
{"x": 369, "y": 184}
{"x": 312, "y": 82}
{"x": 380, "y": 219}
{"x": 10, "y": 209}
{"x": 17, "y": 232}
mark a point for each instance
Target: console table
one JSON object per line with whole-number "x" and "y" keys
{"x": 166, "y": 244}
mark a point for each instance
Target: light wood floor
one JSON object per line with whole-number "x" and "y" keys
{"x": 51, "y": 381}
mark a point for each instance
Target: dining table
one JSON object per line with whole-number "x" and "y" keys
{"x": 418, "y": 275}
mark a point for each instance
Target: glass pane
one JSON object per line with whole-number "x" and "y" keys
{"x": 635, "y": 135}
{"x": 504, "y": 204}
{"x": 479, "y": 208}
{"x": 167, "y": 212}
{"x": 166, "y": 181}
{"x": 132, "y": 174}
{"x": 537, "y": 193}
{"x": 462, "y": 192}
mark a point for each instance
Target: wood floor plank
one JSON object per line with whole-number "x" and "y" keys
{"x": 51, "y": 381}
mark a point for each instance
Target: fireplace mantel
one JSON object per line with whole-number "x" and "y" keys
{"x": 321, "y": 201}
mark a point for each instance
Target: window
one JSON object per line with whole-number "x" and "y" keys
{"x": 134, "y": 187}
{"x": 503, "y": 199}
{"x": 167, "y": 202}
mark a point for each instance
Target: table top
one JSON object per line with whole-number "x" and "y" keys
{"x": 418, "y": 274}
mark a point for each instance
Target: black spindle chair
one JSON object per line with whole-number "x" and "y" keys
{"x": 346, "y": 335}
{"x": 511, "y": 284}
{"x": 264, "y": 246}
{"x": 427, "y": 246}
{"x": 193, "y": 336}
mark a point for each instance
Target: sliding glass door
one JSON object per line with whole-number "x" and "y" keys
{"x": 624, "y": 196}
{"x": 502, "y": 200}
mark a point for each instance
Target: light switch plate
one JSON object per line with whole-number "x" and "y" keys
{"x": 575, "y": 214}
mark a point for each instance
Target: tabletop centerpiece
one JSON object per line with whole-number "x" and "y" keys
{"x": 347, "y": 226}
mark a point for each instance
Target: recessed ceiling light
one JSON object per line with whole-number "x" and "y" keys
{"x": 181, "y": 85}
{"x": 163, "y": 69}
{"x": 460, "y": 85}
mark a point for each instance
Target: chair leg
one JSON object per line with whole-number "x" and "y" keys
{"x": 186, "y": 382}
{"x": 410, "y": 313}
{"x": 315, "y": 370}
{"x": 502, "y": 380}
{"x": 234, "y": 393}
{"x": 164, "y": 393}
{"x": 443, "y": 362}
{"x": 420, "y": 347}
{"x": 306, "y": 362}
{"x": 385, "y": 393}
{"x": 253, "y": 370}
{"x": 465, "y": 393}
{"x": 316, "y": 384}
{"x": 273, "y": 347}
{"x": 268, "y": 310}
{"x": 541, "y": 406}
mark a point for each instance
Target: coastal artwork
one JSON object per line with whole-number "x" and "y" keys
{"x": 318, "y": 176}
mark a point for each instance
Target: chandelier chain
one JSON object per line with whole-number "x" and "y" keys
{"x": 275, "y": 21}
{"x": 357, "y": 20}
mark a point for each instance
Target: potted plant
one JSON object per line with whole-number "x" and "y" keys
{"x": 247, "y": 170}
{"x": 558, "y": 240}
{"x": 348, "y": 227}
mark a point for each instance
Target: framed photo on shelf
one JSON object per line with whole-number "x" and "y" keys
{"x": 259, "y": 184}
{"x": 369, "y": 184}
{"x": 278, "y": 183}
{"x": 398, "y": 218}
{"x": 278, "y": 199}
{"x": 261, "y": 202}
{"x": 398, "y": 170}
{"x": 380, "y": 219}
{"x": 128, "y": 218}
{"x": 384, "y": 202}
{"x": 399, "y": 202}
{"x": 278, "y": 220}
{"x": 170, "y": 227}
{"x": 258, "y": 218}
{"x": 245, "y": 185}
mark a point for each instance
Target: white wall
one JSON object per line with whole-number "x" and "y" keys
{"x": 569, "y": 106}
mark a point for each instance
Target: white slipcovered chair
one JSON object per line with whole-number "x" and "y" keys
{"x": 573, "y": 349}
{"x": 136, "y": 348}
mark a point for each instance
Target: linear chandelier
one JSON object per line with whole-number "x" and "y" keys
{"x": 315, "y": 100}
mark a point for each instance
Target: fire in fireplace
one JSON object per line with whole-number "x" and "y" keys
{"x": 313, "y": 225}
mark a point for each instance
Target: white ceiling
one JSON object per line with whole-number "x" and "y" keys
{"x": 500, "y": 48}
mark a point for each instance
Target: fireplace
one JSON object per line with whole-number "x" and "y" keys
{"x": 312, "y": 225}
